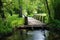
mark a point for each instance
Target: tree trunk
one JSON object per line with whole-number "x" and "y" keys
{"x": 20, "y": 11}
{"x": 1, "y": 11}
{"x": 48, "y": 10}
{"x": 20, "y": 6}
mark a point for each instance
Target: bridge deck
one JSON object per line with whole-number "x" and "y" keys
{"x": 35, "y": 23}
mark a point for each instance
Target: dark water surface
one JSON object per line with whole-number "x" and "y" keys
{"x": 30, "y": 35}
{"x": 38, "y": 35}
{"x": 34, "y": 35}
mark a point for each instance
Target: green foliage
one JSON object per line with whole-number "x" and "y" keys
{"x": 29, "y": 7}
{"x": 31, "y": 15}
{"x": 12, "y": 6}
{"x": 55, "y": 24}
{"x": 15, "y": 21}
{"x": 56, "y": 6}
{"x": 7, "y": 25}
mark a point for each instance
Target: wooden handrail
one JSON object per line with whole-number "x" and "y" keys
{"x": 40, "y": 17}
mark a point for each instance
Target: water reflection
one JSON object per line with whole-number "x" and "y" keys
{"x": 31, "y": 35}
{"x": 37, "y": 35}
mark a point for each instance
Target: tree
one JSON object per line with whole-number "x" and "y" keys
{"x": 20, "y": 8}
{"x": 1, "y": 11}
{"x": 48, "y": 11}
{"x": 56, "y": 7}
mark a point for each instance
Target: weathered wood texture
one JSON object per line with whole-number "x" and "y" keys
{"x": 33, "y": 24}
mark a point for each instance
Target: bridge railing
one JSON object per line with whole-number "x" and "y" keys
{"x": 41, "y": 17}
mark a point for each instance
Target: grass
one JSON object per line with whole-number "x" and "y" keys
{"x": 7, "y": 25}
{"x": 15, "y": 20}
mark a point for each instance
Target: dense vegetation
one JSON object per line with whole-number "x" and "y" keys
{"x": 12, "y": 12}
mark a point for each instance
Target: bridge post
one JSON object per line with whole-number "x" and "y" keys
{"x": 26, "y": 20}
{"x": 21, "y": 34}
{"x": 26, "y": 23}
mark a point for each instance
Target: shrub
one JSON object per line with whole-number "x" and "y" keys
{"x": 55, "y": 24}
{"x": 15, "y": 21}
{"x": 5, "y": 27}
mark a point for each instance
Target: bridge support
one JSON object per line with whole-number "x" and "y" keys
{"x": 26, "y": 23}
{"x": 26, "y": 20}
{"x": 21, "y": 34}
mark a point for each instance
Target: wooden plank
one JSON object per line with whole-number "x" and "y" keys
{"x": 34, "y": 22}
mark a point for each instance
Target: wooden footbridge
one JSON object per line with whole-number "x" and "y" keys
{"x": 31, "y": 23}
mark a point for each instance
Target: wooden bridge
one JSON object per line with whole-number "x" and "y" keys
{"x": 34, "y": 24}
{"x": 31, "y": 23}
{"x": 37, "y": 22}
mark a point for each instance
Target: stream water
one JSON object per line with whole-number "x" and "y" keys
{"x": 37, "y": 35}
{"x": 34, "y": 35}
